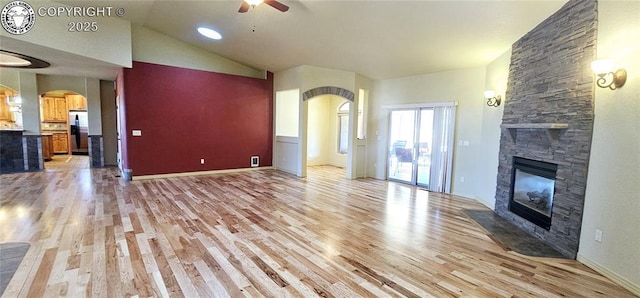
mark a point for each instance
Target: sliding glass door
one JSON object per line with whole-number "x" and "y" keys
{"x": 401, "y": 148}
{"x": 420, "y": 146}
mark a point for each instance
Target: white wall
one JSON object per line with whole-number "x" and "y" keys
{"x": 465, "y": 86}
{"x": 286, "y": 113}
{"x": 612, "y": 199}
{"x": 286, "y": 134}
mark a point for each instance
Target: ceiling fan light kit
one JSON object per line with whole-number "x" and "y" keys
{"x": 246, "y": 4}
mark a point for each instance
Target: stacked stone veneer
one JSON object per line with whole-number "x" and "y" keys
{"x": 96, "y": 151}
{"x": 550, "y": 81}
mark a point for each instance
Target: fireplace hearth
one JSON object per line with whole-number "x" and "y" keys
{"x": 532, "y": 190}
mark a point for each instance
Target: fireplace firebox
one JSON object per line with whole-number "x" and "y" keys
{"x": 532, "y": 190}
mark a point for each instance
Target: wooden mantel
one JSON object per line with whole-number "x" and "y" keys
{"x": 552, "y": 130}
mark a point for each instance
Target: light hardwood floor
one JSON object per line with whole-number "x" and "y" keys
{"x": 262, "y": 233}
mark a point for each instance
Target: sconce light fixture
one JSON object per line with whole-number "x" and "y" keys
{"x": 603, "y": 68}
{"x": 15, "y": 103}
{"x": 493, "y": 100}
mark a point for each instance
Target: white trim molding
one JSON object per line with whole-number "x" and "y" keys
{"x": 185, "y": 174}
{"x": 615, "y": 277}
{"x": 420, "y": 105}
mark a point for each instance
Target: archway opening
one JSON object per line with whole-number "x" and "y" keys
{"x": 65, "y": 127}
{"x": 328, "y": 133}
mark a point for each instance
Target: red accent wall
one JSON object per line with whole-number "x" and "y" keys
{"x": 187, "y": 114}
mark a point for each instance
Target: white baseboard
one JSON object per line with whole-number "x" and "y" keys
{"x": 185, "y": 174}
{"x": 615, "y": 277}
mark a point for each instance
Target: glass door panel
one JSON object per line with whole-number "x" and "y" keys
{"x": 401, "y": 145}
{"x": 425, "y": 136}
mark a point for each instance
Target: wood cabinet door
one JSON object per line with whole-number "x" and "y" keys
{"x": 61, "y": 111}
{"x": 77, "y": 102}
{"x": 47, "y": 147}
{"x": 60, "y": 143}
{"x": 5, "y": 113}
{"x": 48, "y": 109}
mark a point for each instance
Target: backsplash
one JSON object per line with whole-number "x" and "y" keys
{"x": 53, "y": 126}
{"x": 9, "y": 125}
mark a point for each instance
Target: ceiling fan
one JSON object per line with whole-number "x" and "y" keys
{"x": 246, "y": 4}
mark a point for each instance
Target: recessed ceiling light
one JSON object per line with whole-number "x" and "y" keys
{"x": 210, "y": 33}
{"x": 15, "y": 60}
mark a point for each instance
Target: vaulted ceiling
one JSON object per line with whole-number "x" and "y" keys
{"x": 378, "y": 39}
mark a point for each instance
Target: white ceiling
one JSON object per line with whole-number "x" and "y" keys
{"x": 378, "y": 39}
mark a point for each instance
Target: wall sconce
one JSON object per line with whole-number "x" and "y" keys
{"x": 493, "y": 100}
{"x": 14, "y": 103}
{"x": 606, "y": 77}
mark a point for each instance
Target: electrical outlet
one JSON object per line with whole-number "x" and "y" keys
{"x": 462, "y": 179}
{"x": 598, "y": 235}
{"x": 202, "y": 161}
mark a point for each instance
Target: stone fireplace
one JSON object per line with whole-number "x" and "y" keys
{"x": 547, "y": 127}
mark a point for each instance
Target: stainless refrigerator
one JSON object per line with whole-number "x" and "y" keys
{"x": 79, "y": 133}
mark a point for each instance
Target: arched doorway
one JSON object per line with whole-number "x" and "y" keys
{"x": 331, "y": 97}
{"x": 64, "y": 127}
{"x": 328, "y": 131}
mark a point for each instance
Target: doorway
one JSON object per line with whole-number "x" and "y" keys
{"x": 420, "y": 147}
{"x": 328, "y": 131}
{"x": 64, "y": 128}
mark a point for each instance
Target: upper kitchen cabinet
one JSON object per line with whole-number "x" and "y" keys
{"x": 54, "y": 109}
{"x": 76, "y": 102}
{"x": 5, "y": 112}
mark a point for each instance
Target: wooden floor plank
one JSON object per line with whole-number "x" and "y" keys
{"x": 262, "y": 233}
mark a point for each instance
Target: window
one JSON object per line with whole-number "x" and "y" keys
{"x": 343, "y": 128}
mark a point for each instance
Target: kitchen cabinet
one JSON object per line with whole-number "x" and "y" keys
{"x": 76, "y": 102}
{"x": 5, "y": 113}
{"x": 47, "y": 147}
{"x": 60, "y": 143}
{"x": 54, "y": 109}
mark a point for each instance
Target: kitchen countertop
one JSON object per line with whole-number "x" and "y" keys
{"x": 12, "y": 129}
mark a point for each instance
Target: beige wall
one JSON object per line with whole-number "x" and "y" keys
{"x": 305, "y": 78}
{"x": 88, "y": 87}
{"x": 53, "y": 32}
{"x": 109, "y": 130}
{"x": 318, "y": 131}
{"x": 464, "y": 86}
{"x": 612, "y": 200}
{"x": 487, "y": 164}
{"x": 154, "y": 47}
{"x": 322, "y": 132}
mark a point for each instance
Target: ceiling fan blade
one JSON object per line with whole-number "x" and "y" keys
{"x": 277, "y": 5}
{"x": 244, "y": 7}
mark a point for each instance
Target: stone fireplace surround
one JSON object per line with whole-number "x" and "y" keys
{"x": 548, "y": 116}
